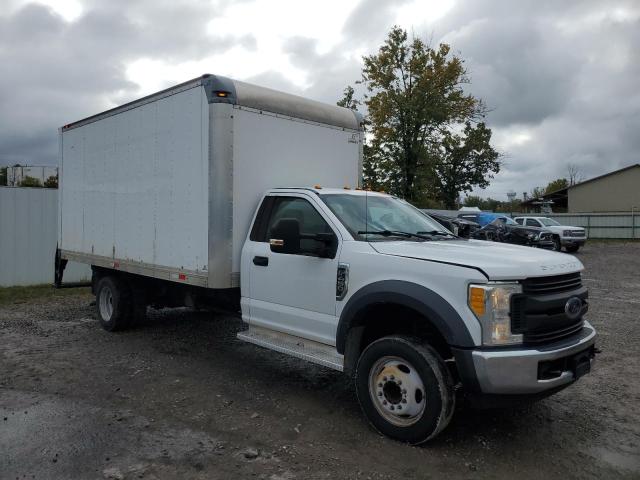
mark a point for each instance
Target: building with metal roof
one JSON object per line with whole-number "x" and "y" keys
{"x": 616, "y": 191}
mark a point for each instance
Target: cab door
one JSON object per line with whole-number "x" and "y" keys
{"x": 293, "y": 293}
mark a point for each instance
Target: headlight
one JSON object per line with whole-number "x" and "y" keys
{"x": 491, "y": 304}
{"x": 566, "y": 233}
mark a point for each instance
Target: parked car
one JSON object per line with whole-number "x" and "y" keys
{"x": 501, "y": 228}
{"x": 459, "y": 226}
{"x": 567, "y": 236}
{"x": 206, "y": 200}
{"x": 481, "y": 218}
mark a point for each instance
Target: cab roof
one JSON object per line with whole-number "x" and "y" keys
{"x": 336, "y": 191}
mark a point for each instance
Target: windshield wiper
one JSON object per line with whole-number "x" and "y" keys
{"x": 393, "y": 233}
{"x": 438, "y": 233}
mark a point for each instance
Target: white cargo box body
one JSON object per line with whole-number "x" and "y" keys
{"x": 167, "y": 186}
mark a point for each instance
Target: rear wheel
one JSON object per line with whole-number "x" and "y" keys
{"x": 113, "y": 303}
{"x": 405, "y": 389}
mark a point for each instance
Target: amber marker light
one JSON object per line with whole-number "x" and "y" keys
{"x": 477, "y": 300}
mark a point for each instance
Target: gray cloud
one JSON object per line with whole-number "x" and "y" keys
{"x": 57, "y": 71}
{"x": 564, "y": 73}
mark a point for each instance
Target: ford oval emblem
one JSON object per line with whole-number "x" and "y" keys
{"x": 573, "y": 307}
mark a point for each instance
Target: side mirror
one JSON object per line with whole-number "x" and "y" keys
{"x": 286, "y": 236}
{"x": 329, "y": 244}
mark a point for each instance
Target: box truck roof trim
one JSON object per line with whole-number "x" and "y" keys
{"x": 246, "y": 95}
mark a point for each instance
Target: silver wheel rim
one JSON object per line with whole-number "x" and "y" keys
{"x": 106, "y": 303}
{"x": 397, "y": 391}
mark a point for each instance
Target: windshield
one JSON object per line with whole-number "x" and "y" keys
{"x": 547, "y": 222}
{"x": 385, "y": 217}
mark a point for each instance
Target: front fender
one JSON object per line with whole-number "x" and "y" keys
{"x": 428, "y": 303}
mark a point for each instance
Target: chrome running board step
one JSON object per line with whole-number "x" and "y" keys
{"x": 308, "y": 350}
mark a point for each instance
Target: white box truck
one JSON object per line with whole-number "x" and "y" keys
{"x": 215, "y": 192}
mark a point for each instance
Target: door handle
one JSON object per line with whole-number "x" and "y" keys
{"x": 261, "y": 261}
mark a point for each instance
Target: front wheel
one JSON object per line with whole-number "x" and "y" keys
{"x": 557, "y": 244}
{"x": 573, "y": 248}
{"x": 405, "y": 389}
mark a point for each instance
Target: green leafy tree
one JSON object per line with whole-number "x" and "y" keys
{"x": 473, "y": 201}
{"x": 557, "y": 184}
{"x": 422, "y": 123}
{"x": 348, "y": 99}
{"x": 464, "y": 161}
{"x": 51, "y": 182}
{"x": 483, "y": 203}
{"x": 3, "y": 176}
{"x": 28, "y": 181}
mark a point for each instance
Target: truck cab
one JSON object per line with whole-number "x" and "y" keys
{"x": 364, "y": 283}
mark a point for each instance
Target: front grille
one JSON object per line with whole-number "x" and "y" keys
{"x": 552, "y": 285}
{"x": 554, "y": 334}
{"x": 538, "y": 313}
{"x": 576, "y": 233}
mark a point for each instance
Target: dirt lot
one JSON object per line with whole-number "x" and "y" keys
{"x": 180, "y": 397}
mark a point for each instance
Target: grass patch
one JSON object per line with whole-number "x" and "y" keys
{"x": 13, "y": 295}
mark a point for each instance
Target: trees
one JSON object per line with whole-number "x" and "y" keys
{"x": 557, "y": 184}
{"x": 574, "y": 174}
{"x": 348, "y": 99}
{"x": 464, "y": 161}
{"x": 51, "y": 182}
{"x": 537, "y": 192}
{"x": 424, "y": 139}
{"x": 28, "y": 181}
{"x": 483, "y": 203}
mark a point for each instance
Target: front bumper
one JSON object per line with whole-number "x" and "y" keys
{"x": 546, "y": 244}
{"x": 573, "y": 241}
{"x": 527, "y": 371}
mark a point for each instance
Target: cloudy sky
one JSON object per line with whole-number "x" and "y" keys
{"x": 562, "y": 77}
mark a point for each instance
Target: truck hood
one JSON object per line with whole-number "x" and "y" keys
{"x": 560, "y": 228}
{"x": 498, "y": 261}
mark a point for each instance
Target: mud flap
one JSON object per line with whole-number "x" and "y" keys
{"x": 59, "y": 265}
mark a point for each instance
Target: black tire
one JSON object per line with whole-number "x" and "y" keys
{"x": 114, "y": 303}
{"x": 438, "y": 398}
{"x": 573, "y": 248}
{"x": 557, "y": 244}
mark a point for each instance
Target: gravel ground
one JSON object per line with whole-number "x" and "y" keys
{"x": 180, "y": 397}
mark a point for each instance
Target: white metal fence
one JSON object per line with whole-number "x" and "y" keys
{"x": 602, "y": 225}
{"x": 28, "y": 234}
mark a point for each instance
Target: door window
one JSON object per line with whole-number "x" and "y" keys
{"x": 311, "y": 222}
{"x": 531, "y": 222}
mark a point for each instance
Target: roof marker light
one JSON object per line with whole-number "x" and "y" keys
{"x": 221, "y": 94}
{"x": 317, "y": 187}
